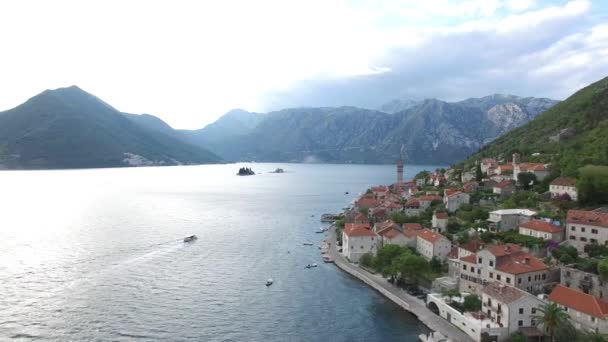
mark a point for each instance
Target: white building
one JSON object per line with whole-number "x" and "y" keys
{"x": 358, "y": 239}
{"x": 538, "y": 169}
{"x": 453, "y": 200}
{"x": 432, "y": 244}
{"x": 440, "y": 221}
{"x": 506, "y": 264}
{"x": 583, "y": 227}
{"x": 564, "y": 186}
{"x": 509, "y": 307}
{"x": 509, "y": 219}
{"x": 585, "y": 311}
{"x": 542, "y": 230}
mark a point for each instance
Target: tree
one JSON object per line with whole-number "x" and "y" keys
{"x": 592, "y": 184}
{"x": 517, "y": 337}
{"x": 602, "y": 268}
{"x": 551, "y": 317}
{"x": 478, "y": 173}
{"x": 385, "y": 257}
{"x": 364, "y": 210}
{"x": 366, "y": 259}
{"x": 435, "y": 265}
{"x": 472, "y": 303}
{"x": 412, "y": 266}
{"x": 526, "y": 179}
{"x": 592, "y": 336}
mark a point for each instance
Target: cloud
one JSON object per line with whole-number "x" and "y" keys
{"x": 550, "y": 51}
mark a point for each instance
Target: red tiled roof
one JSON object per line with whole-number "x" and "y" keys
{"x": 592, "y": 218}
{"x": 503, "y": 184}
{"x": 358, "y": 229}
{"x": 500, "y": 250}
{"x": 579, "y": 301}
{"x": 367, "y": 202}
{"x": 520, "y": 262}
{"x": 379, "y": 188}
{"x": 506, "y": 167}
{"x": 523, "y": 167}
{"x": 541, "y": 226}
{"x": 453, "y": 253}
{"x": 450, "y": 192}
{"x": 379, "y": 212}
{"x": 430, "y": 235}
{"x": 429, "y": 198}
{"x": 392, "y": 205}
{"x": 384, "y": 225}
{"x": 390, "y": 233}
{"x": 472, "y": 246}
{"x": 412, "y": 226}
{"x": 360, "y": 217}
{"x": 564, "y": 181}
{"x": 412, "y": 203}
{"x": 441, "y": 215}
{"x": 472, "y": 258}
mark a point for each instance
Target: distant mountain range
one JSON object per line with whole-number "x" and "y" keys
{"x": 428, "y": 131}
{"x": 70, "y": 128}
{"x": 570, "y": 135}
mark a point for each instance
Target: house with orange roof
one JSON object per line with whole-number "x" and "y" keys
{"x": 358, "y": 239}
{"x": 426, "y": 200}
{"x": 361, "y": 218}
{"x": 440, "y": 221}
{"x": 378, "y": 214}
{"x": 563, "y": 186}
{"x": 366, "y": 201}
{"x": 432, "y": 244}
{"x": 470, "y": 187}
{"x": 542, "y": 230}
{"x": 504, "y": 188}
{"x": 488, "y": 163}
{"x": 390, "y": 233}
{"x": 506, "y": 264}
{"x": 586, "y": 311}
{"x": 584, "y": 227}
{"x": 379, "y": 191}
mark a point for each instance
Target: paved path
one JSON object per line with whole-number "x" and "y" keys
{"x": 397, "y": 295}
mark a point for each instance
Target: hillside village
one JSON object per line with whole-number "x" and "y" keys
{"x": 491, "y": 248}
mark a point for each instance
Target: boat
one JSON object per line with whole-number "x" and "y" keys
{"x": 307, "y": 243}
{"x": 278, "y": 170}
{"x": 327, "y": 259}
{"x": 269, "y": 282}
{"x": 190, "y": 238}
{"x": 346, "y": 192}
{"x": 311, "y": 265}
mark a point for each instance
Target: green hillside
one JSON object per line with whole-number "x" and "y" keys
{"x": 70, "y": 128}
{"x": 583, "y": 121}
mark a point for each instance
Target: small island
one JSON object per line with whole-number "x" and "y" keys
{"x": 278, "y": 170}
{"x": 245, "y": 171}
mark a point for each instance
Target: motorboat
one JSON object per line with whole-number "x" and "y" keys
{"x": 190, "y": 238}
{"x": 327, "y": 259}
{"x": 307, "y": 243}
{"x": 269, "y": 282}
{"x": 311, "y": 265}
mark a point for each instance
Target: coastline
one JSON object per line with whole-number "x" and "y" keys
{"x": 412, "y": 304}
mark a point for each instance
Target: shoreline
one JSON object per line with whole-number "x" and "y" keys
{"x": 411, "y": 304}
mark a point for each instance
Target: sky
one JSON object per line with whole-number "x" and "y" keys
{"x": 188, "y": 62}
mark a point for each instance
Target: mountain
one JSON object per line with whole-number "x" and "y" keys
{"x": 569, "y": 135}
{"x": 396, "y": 106}
{"x": 70, "y": 128}
{"x": 431, "y": 131}
{"x": 232, "y": 125}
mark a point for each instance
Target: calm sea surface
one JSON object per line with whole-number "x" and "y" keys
{"x": 96, "y": 255}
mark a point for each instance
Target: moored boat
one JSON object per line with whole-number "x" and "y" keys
{"x": 190, "y": 238}
{"x": 269, "y": 282}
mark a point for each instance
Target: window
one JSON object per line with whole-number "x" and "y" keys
{"x": 491, "y": 263}
{"x": 519, "y": 281}
{"x": 583, "y": 238}
{"x": 593, "y": 231}
{"x": 582, "y": 229}
{"x": 529, "y": 278}
{"x": 508, "y": 280}
{"x": 480, "y": 260}
{"x": 498, "y": 277}
{"x": 593, "y": 240}
{"x": 593, "y": 319}
{"x": 464, "y": 267}
{"x": 472, "y": 269}
{"x": 573, "y": 228}
{"x": 544, "y": 276}
{"x": 572, "y": 237}
{"x": 520, "y": 323}
{"x": 533, "y": 312}
{"x": 479, "y": 271}
{"x": 521, "y": 311}
{"x": 491, "y": 275}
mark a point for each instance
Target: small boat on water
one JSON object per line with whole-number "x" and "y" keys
{"x": 307, "y": 243}
{"x": 346, "y": 192}
{"x": 311, "y": 265}
{"x": 269, "y": 282}
{"x": 327, "y": 259}
{"x": 190, "y": 238}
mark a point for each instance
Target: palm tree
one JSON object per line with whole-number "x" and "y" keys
{"x": 552, "y": 318}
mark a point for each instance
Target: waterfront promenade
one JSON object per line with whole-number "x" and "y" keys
{"x": 396, "y": 294}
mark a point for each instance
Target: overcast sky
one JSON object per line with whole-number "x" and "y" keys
{"x": 188, "y": 62}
